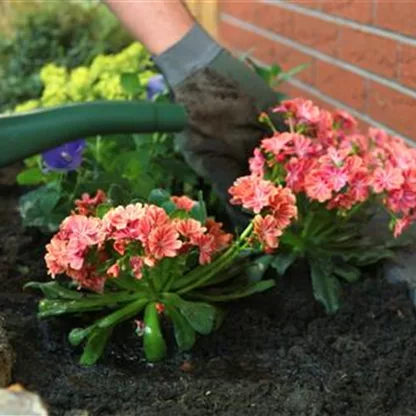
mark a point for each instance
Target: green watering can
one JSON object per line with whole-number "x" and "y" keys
{"x": 26, "y": 134}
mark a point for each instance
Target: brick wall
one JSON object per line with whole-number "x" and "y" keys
{"x": 361, "y": 53}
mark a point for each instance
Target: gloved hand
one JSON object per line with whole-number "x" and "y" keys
{"x": 224, "y": 98}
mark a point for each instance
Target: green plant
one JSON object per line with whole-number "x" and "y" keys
{"x": 164, "y": 257}
{"x": 67, "y": 33}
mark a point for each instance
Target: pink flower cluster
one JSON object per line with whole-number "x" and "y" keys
{"x": 324, "y": 157}
{"x": 128, "y": 239}
{"x": 275, "y": 207}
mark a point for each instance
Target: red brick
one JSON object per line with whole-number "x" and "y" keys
{"x": 407, "y": 74}
{"x": 368, "y": 51}
{"x": 266, "y": 50}
{"x": 316, "y": 33}
{"x": 340, "y": 84}
{"x": 396, "y": 15}
{"x": 266, "y": 16}
{"x": 358, "y": 10}
{"x": 393, "y": 109}
{"x": 315, "y": 4}
{"x": 307, "y": 30}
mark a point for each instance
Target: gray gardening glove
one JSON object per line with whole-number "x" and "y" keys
{"x": 224, "y": 98}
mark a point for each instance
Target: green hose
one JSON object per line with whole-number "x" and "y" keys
{"x": 26, "y": 134}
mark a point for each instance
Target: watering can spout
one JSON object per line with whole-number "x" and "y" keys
{"x": 26, "y": 134}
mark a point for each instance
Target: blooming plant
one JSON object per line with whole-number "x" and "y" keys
{"x": 339, "y": 178}
{"x": 164, "y": 258}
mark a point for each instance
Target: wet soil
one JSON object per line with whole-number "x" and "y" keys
{"x": 276, "y": 354}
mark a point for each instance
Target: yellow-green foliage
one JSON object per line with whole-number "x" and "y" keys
{"x": 100, "y": 81}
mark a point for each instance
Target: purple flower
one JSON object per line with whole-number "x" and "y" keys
{"x": 155, "y": 86}
{"x": 66, "y": 157}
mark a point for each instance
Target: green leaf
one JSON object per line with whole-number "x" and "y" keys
{"x": 97, "y": 340}
{"x": 119, "y": 195}
{"x": 170, "y": 207}
{"x": 286, "y": 76}
{"x": 257, "y": 269}
{"x": 122, "y": 314}
{"x": 326, "y": 287}
{"x": 37, "y": 207}
{"x": 184, "y": 333}
{"x": 153, "y": 341}
{"x": 131, "y": 83}
{"x": 77, "y": 335}
{"x": 283, "y": 260}
{"x": 348, "y": 272}
{"x": 54, "y": 307}
{"x": 199, "y": 210}
{"x": 29, "y": 177}
{"x": 236, "y": 293}
{"x": 53, "y": 290}
{"x": 159, "y": 197}
{"x": 200, "y": 315}
{"x": 102, "y": 209}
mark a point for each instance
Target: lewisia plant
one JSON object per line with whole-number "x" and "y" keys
{"x": 151, "y": 262}
{"x": 340, "y": 179}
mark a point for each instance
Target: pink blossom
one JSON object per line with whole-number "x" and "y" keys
{"x": 206, "y": 246}
{"x": 183, "y": 202}
{"x": 345, "y": 120}
{"x": 256, "y": 163}
{"x": 136, "y": 264}
{"x": 387, "y": 178}
{"x": 267, "y": 231}
{"x": 164, "y": 242}
{"x": 189, "y": 228}
{"x": 276, "y": 143}
{"x": 114, "y": 270}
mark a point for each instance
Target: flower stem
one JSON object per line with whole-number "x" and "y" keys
{"x": 199, "y": 277}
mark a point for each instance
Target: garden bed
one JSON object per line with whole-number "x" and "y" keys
{"x": 277, "y": 353}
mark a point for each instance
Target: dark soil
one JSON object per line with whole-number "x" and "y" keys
{"x": 276, "y": 354}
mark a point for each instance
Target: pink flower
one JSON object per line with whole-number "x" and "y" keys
{"x": 317, "y": 188}
{"x": 87, "y": 204}
{"x": 256, "y": 163}
{"x": 335, "y": 178}
{"x": 302, "y": 145}
{"x": 221, "y": 239}
{"x": 252, "y": 193}
{"x": 359, "y": 186}
{"x": 206, "y": 245}
{"x": 283, "y": 206}
{"x": 56, "y": 257}
{"x": 86, "y": 230}
{"x": 164, "y": 242}
{"x": 345, "y": 120}
{"x": 120, "y": 246}
{"x": 116, "y": 218}
{"x": 189, "y": 228}
{"x": 267, "y": 231}
{"x": 136, "y": 264}
{"x": 303, "y": 110}
{"x": 157, "y": 215}
{"x": 387, "y": 178}
{"x": 276, "y": 143}
{"x": 306, "y": 111}
{"x": 400, "y": 225}
{"x": 114, "y": 270}
{"x": 183, "y": 202}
